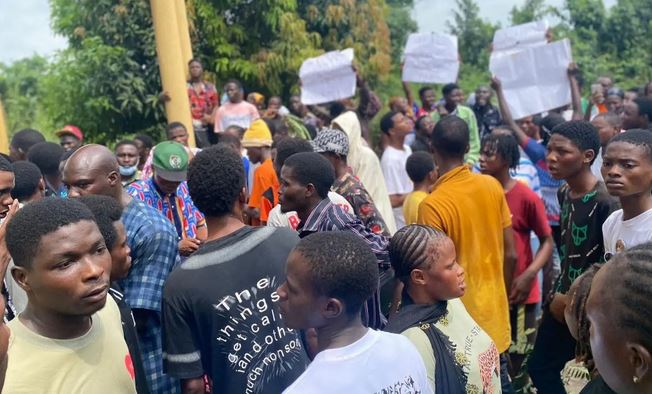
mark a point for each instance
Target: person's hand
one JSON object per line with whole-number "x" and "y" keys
{"x": 188, "y": 246}
{"x": 557, "y": 306}
{"x": 521, "y": 286}
{"x": 495, "y": 83}
{"x": 164, "y": 97}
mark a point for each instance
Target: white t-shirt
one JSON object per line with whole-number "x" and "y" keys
{"x": 379, "y": 362}
{"x": 597, "y": 165}
{"x": 619, "y": 234}
{"x": 396, "y": 178}
{"x": 276, "y": 218}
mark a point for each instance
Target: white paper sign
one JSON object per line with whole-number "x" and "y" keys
{"x": 327, "y": 77}
{"x": 534, "y": 79}
{"x": 431, "y": 58}
{"x": 520, "y": 36}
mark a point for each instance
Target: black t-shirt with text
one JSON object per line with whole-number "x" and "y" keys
{"x": 220, "y": 314}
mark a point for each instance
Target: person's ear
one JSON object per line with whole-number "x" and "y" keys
{"x": 332, "y": 308}
{"x": 21, "y": 276}
{"x": 432, "y": 176}
{"x": 41, "y": 185}
{"x": 417, "y": 277}
{"x": 113, "y": 178}
{"x": 640, "y": 360}
{"x": 310, "y": 190}
{"x": 589, "y": 155}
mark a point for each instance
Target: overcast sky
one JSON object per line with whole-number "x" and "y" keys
{"x": 25, "y": 24}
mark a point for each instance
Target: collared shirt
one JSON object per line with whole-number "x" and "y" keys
{"x": 177, "y": 207}
{"x": 330, "y": 217}
{"x": 349, "y": 187}
{"x": 154, "y": 253}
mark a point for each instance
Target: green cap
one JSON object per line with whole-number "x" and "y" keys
{"x": 170, "y": 161}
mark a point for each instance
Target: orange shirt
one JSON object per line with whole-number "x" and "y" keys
{"x": 264, "y": 193}
{"x": 471, "y": 209}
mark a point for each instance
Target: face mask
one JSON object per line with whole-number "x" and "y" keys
{"x": 128, "y": 171}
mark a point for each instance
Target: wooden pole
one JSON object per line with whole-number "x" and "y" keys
{"x": 4, "y": 133}
{"x": 184, "y": 34}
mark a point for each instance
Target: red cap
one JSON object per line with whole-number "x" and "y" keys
{"x": 72, "y": 130}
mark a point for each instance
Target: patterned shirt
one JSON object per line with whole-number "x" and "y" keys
{"x": 154, "y": 254}
{"x": 202, "y": 103}
{"x": 354, "y": 192}
{"x": 177, "y": 207}
{"x": 330, "y": 217}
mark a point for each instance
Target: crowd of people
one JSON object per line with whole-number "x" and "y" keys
{"x": 465, "y": 252}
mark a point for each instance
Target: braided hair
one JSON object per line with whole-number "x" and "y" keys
{"x": 582, "y": 287}
{"x": 413, "y": 246}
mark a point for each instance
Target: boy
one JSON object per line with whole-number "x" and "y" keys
{"x": 69, "y": 337}
{"x": 264, "y": 191}
{"x": 236, "y": 111}
{"x": 420, "y": 167}
{"x": 585, "y": 205}
{"x": 608, "y": 125}
{"x": 627, "y": 170}
{"x": 330, "y": 275}
{"x": 500, "y": 154}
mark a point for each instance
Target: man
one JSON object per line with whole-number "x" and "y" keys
{"x": 47, "y": 157}
{"x": 144, "y": 143}
{"x": 29, "y": 185}
{"x": 264, "y": 191}
{"x": 236, "y": 111}
{"x": 203, "y": 99}
{"x": 334, "y": 146}
{"x": 306, "y": 179}
{"x": 453, "y": 98}
{"x": 174, "y": 131}
{"x": 70, "y": 137}
{"x": 637, "y": 114}
{"x": 242, "y": 343}
{"x": 423, "y": 127}
{"x": 167, "y": 192}
{"x": 93, "y": 169}
{"x": 128, "y": 159}
{"x": 329, "y": 277}
{"x": 608, "y": 125}
{"x": 299, "y": 110}
{"x": 396, "y": 127}
{"x": 69, "y": 338}
{"x": 7, "y": 207}
{"x": 471, "y": 209}
{"x": 22, "y": 141}
{"x": 486, "y": 114}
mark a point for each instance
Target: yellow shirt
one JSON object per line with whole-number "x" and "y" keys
{"x": 411, "y": 206}
{"x": 98, "y": 362}
{"x": 471, "y": 209}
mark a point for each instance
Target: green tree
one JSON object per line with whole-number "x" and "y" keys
{"x": 474, "y": 35}
{"x": 532, "y": 10}
{"x": 400, "y": 25}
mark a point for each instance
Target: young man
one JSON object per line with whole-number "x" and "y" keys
{"x": 453, "y": 98}
{"x": 22, "y": 141}
{"x": 637, "y": 114}
{"x": 219, "y": 307}
{"x": 203, "y": 101}
{"x": 585, "y": 205}
{"x": 461, "y": 204}
{"x": 236, "y": 111}
{"x": 93, "y": 169}
{"x": 47, "y": 157}
{"x": 608, "y": 125}
{"x": 167, "y": 192}
{"x": 500, "y": 154}
{"x": 306, "y": 179}
{"x": 107, "y": 212}
{"x": 69, "y": 338}
{"x": 396, "y": 127}
{"x": 423, "y": 130}
{"x": 128, "y": 159}
{"x": 329, "y": 277}
{"x": 334, "y": 146}
{"x": 264, "y": 192}
{"x": 29, "y": 185}
{"x": 420, "y": 167}
{"x": 70, "y": 137}
{"x": 175, "y": 132}
{"x": 427, "y": 97}
{"x": 486, "y": 114}
{"x": 627, "y": 170}
{"x": 144, "y": 143}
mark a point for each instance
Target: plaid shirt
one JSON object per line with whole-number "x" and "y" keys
{"x": 154, "y": 251}
{"x": 177, "y": 207}
{"x": 330, "y": 217}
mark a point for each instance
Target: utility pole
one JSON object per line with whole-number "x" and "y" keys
{"x": 4, "y": 133}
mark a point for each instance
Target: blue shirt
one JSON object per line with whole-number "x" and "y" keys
{"x": 154, "y": 253}
{"x": 549, "y": 185}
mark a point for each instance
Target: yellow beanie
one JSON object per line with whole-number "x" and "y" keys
{"x": 257, "y": 135}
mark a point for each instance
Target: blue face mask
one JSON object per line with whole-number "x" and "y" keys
{"x": 128, "y": 171}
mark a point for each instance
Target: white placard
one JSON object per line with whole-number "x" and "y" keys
{"x": 534, "y": 79}
{"x": 431, "y": 58}
{"x": 520, "y": 36}
{"x": 327, "y": 77}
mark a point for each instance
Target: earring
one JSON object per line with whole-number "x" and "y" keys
{"x": 635, "y": 379}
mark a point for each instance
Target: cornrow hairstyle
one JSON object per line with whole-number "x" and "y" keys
{"x": 419, "y": 165}
{"x": 637, "y": 137}
{"x": 578, "y": 309}
{"x": 341, "y": 266}
{"x": 413, "y": 246}
{"x": 630, "y": 284}
{"x": 505, "y": 146}
{"x": 582, "y": 134}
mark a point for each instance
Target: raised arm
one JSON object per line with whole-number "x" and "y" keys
{"x": 505, "y": 113}
{"x": 576, "y": 96}
{"x": 408, "y": 94}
